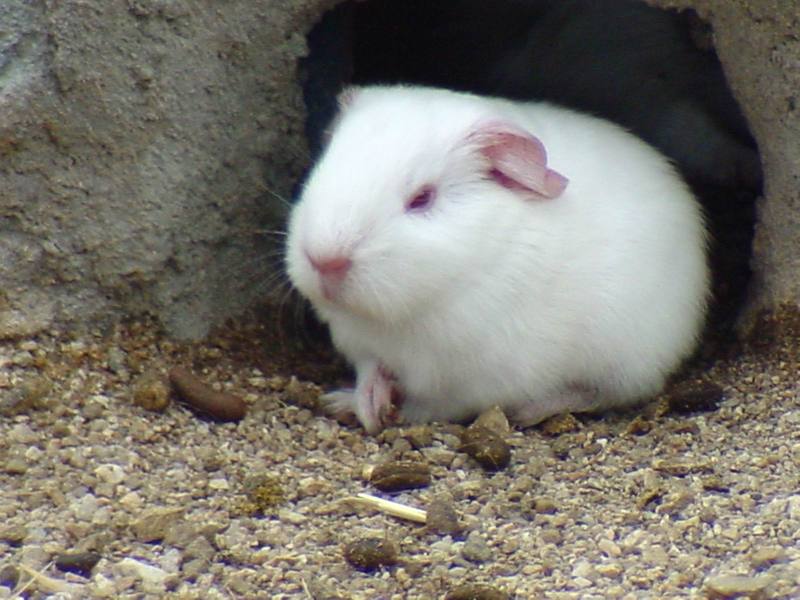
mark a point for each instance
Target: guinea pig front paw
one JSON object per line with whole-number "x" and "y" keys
{"x": 372, "y": 402}
{"x": 340, "y": 404}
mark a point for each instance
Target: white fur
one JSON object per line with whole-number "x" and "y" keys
{"x": 580, "y": 302}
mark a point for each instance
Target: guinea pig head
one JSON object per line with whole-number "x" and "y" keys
{"x": 412, "y": 201}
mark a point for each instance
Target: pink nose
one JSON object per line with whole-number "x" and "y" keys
{"x": 331, "y": 267}
{"x": 332, "y": 272}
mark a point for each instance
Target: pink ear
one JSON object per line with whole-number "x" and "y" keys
{"x": 518, "y": 159}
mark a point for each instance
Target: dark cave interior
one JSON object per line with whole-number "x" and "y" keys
{"x": 653, "y": 71}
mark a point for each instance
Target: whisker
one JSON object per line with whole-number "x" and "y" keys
{"x": 275, "y": 195}
{"x": 276, "y": 232}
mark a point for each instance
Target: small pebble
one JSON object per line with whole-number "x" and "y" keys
{"x": 15, "y": 465}
{"x": 26, "y": 396}
{"x": 675, "y": 501}
{"x": 200, "y": 548}
{"x": 475, "y": 549}
{"x": 22, "y": 434}
{"x": 113, "y": 474}
{"x": 420, "y": 436}
{"x": 583, "y": 569}
{"x": 152, "y": 577}
{"x": 116, "y": 361}
{"x": 609, "y": 547}
{"x": 494, "y": 420}
{"x": 736, "y": 586}
{"x": 86, "y": 507}
{"x": 561, "y": 446}
{"x": 13, "y": 535}
{"x": 551, "y": 536}
{"x": 545, "y": 506}
{"x": 371, "y": 553}
{"x": 438, "y": 455}
{"x": 714, "y": 483}
{"x": 765, "y": 557}
{"x": 304, "y": 395}
{"x": 153, "y": 525}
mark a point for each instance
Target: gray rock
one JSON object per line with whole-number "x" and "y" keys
{"x": 154, "y": 523}
{"x": 85, "y": 507}
{"x": 475, "y": 548}
{"x": 769, "y": 555}
{"x": 152, "y": 578}
{"x": 165, "y": 128}
{"x": 201, "y": 548}
{"x": 737, "y": 586}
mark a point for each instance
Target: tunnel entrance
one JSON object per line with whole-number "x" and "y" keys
{"x": 653, "y": 71}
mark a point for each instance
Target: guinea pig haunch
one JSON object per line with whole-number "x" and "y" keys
{"x": 469, "y": 251}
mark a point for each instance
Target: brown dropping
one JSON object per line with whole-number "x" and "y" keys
{"x": 222, "y": 406}
{"x": 545, "y": 506}
{"x": 264, "y": 492}
{"x": 678, "y": 468}
{"x": 648, "y": 495}
{"x": 9, "y": 576}
{"x": 151, "y": 392}
{"x": 368, "y": 554}
{"x": 395, "y": 476}
{"x": 693, "y": 396}
{"x": 714, "y": 483}
{"x": 486, "y": 447}
{"x": 476, "y": 592}
{"x": 81, "y": 563}
{"x": 639, "y": 426}
{"x": 558, "y": 424}
{"x": 443, "y": 518}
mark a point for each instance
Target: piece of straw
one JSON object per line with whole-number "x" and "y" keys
{"x": 389, "y": 507}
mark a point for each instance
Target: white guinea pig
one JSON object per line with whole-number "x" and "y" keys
{"x": 469, "y": 252}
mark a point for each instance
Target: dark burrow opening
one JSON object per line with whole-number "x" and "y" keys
{"x": 650, "y": 70}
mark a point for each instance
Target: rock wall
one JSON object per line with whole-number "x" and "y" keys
{"x": 758, "y": 42}
{"x": 145, "y": 147}
{"x": 142, "y": 146}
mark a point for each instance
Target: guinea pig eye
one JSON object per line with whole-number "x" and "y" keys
{"x": 422, "y": 200}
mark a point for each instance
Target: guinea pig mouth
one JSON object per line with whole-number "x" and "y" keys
{"x": 331, "y": 290}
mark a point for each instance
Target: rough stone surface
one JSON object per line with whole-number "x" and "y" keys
{"x": 145, "y": 146}
{"x": 757, "y": 43}
{"x": 142, "y": 147}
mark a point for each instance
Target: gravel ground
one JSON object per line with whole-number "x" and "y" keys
{"x": 170, "y": 504}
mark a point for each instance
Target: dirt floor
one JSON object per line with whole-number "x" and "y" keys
{"x": 103, "y": 497}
